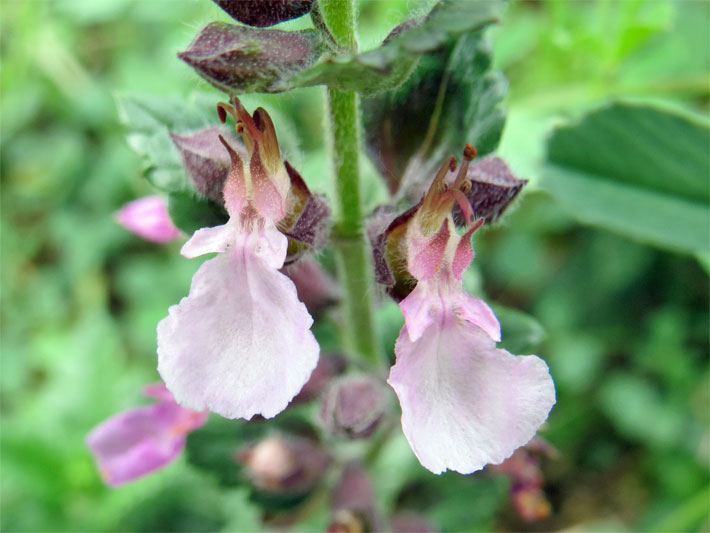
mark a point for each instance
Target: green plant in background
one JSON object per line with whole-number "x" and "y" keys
{"x": 625, "y": 325}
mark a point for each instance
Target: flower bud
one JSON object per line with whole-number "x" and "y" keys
{"x": 527, "y": 480}
{"x": 284, "y": 464}
{"x": 278, "y": 190}
{"x": 329, "y": 366}
{"x": 411, "y": 523}
{"x": 264, "y": 12}
{"x": 243, "y": 59}
{"x": 148, "y": 217}
{"x": 353, "y": 503}
{"x": 315, "y": 287}
{"x": 472, "y": 193}
{"x": 205, "y": 159}
{"x": 353, "y": 407}
{"x": 141, "y": 440}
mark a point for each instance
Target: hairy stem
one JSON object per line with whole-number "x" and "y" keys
{"x": 352, "y": 254}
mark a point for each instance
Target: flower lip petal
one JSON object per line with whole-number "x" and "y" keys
{"x": 240, "y": 344}
{"x": 417, "y": 311}
{"x": 478, "y": 313}
{"x": 208, "y": 240}
{"x": 464, "y": 402}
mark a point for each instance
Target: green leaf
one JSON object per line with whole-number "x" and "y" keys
{"x": 148, "y": 121}
{"x": 520, "y": 333}
{"x": 190, "y": 212}
{"x": 452, "y": 98}
{"x": 641, "y": 403}
{"x": 240, "y": 59}
{"x": 639, "y": 170}
{"x": 390, "y": 64}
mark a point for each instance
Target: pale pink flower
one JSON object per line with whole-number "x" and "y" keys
{"x": 240, "y": 343}
{"x": 465, "y": 403}
{"x": 148, "y": 218}
{"x": 138, "y": 441}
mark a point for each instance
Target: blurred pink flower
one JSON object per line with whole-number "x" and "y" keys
{"x": 527, "y": 480}
{"x": 240, "y": 343}
{"x": 148, "y": 218}
{"x": 138, "y": 441}
{"x": 465, "y": 403}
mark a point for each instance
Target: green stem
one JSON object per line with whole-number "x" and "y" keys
{"x": 352, "y": 253}
{"x": 354, "y": 270}
{"x": 339, "y": 16}
{"x": 344, "y": 125}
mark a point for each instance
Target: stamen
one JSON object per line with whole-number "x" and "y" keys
{"x": 437, "y": 185}
{"x": 246, "y": 119}
{"x": 269, "y": 142}
{"x": 469, "y": 152}
{"x": 223, "y": 109}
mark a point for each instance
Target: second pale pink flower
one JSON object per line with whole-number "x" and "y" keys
{"x": 465, "y": 403}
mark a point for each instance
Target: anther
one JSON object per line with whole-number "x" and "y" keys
{"x": 469, "y": 151}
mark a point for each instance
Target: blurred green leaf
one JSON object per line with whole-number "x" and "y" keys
{"x": 631, "y": 403}
{"x": 691, "y": 515}
{"x": 189, "y": 212}
{"x": 241, "y": 514}
{"x": 213, "y": 447}
{"x": 520, "y": 333}
{"x": 148, "y": 121}
{"x": 448, "y": 499}
{"x": 637, "y": 170}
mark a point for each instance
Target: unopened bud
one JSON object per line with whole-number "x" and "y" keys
{"x": 243, "y": 59}
{"x": 315, "y": 287}
{"x": 284, "y": 465}
{"x": 353, "y": 503}
{"x": 527, "y": 480}
{"x": 354, "y": 406}
{"x": 148, "y": 218}
{"x": 328, "y": 367}
{"x": 531, "y": 504}
{"x": 411, "y": 523}
{"x": 264, "y": 12}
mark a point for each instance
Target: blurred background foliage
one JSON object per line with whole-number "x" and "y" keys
{"x": 626, "y": 324}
